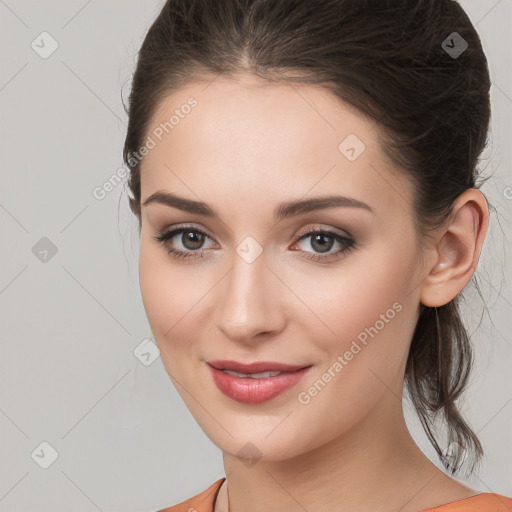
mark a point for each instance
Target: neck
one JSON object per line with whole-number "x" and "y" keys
{"x": 373, "y": 464}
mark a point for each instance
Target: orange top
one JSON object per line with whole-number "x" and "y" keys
{"x": 484, "y": 502}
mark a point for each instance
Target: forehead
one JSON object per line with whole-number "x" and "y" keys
{"x": 267, "y": 140}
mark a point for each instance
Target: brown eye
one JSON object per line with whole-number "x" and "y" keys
{"x": 192, "y": 240}
{"x": 323, "y": 241}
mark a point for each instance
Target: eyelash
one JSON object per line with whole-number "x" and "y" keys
{"x": 186, "y": 255}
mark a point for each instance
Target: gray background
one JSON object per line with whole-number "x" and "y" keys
{"x": 72, "y": 320}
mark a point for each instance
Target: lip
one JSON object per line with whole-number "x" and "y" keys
{"x": 255, "y": 391}
{"x": 259, "y": 366}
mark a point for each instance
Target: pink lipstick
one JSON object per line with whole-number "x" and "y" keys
{"x": 257, "y": 382}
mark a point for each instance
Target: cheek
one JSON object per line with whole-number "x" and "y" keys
{"x": 164, "y": 294}
{"x": 373, "y": 315}
{"x": 370, "y": 306}
{"x": 174, "y": 298}
{"x": 157, "y": 295}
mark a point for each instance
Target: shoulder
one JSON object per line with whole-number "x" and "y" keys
{"x": 484, "y": 502}
{"x": 202, "y": 502}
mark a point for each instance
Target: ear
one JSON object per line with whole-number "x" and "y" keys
{"x": 456, "y": 249}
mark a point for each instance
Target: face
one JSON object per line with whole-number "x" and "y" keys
{"x": 333, "y": 289}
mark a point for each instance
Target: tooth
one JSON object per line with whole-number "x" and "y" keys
{"x": 264, "y": 375}
{"x": 261, "y": 375}
{"x": 235, "y": 374}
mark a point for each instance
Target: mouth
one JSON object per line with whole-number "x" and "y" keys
{"x": 256, "y": 368}
{"x": 257, "y": 382}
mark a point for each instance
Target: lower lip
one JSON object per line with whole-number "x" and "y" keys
{"x": 255, "y": 391}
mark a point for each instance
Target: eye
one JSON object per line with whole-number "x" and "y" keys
{"x": 192, "y": 240}
{"x": 323, "y": 241}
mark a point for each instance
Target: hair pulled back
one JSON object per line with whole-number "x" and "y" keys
{"x": 387, "y": 58}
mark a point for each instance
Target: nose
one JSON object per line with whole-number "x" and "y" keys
{"x": 247, "y": 302}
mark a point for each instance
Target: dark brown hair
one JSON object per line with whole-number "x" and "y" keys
{"x": 402, "y": 63}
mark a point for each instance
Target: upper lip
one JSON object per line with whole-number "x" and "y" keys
{"x": 256, "y": 367}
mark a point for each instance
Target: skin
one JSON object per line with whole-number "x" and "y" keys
{"x": 246, "y": 147}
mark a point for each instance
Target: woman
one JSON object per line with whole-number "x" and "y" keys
{"x": 304, "y": 176}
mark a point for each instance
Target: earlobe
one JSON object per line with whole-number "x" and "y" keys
{"x": 457, "y": 251}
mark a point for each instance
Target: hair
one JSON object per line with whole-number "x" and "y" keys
{"x": 387, "y": 58}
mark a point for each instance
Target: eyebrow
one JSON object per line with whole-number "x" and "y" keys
{"x": 284, "y": 210}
